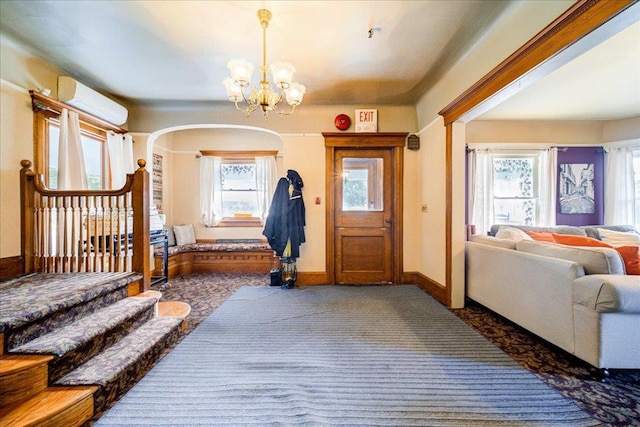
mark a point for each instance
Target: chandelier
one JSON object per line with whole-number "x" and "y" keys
{"x": 264, "y": 96}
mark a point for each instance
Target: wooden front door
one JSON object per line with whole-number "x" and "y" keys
{"x": 365, "y": 216}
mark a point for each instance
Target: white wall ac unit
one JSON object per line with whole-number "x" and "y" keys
{"x": 88, "y": 100}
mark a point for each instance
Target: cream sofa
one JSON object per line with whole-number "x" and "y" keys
{"x": 579, "y": 299}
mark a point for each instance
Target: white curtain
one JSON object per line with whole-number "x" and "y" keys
{"x": 210, "y": 190}
{"x": 619, "y": 187}
{"x": 72, "y": 174}
{"x": 116, "y": 159}
{"x": 120, "y": 158}
{"x": 127, "y": 150}
{"x": 480, "y": 175}
{"x": 266, "y": 183}
{"x": 548, "y": 178}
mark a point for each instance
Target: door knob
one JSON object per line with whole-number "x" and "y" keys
{"x": 388, "y": 221}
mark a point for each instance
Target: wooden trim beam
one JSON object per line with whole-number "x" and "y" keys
{"x": 373, "y": 140}
{"x": 579, "y": 20}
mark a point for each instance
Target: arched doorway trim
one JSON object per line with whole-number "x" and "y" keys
{"x": 155, "y": 135}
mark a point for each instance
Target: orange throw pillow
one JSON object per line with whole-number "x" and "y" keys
{"x": 571, "y": 240}
{"x": 631, "y": 257}
{"x": 542, "y": 236}
{"x": 630, "y": 254}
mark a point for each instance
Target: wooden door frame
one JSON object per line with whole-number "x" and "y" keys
{"x": 395, "y": 142}
{"x": 545, "y": 52}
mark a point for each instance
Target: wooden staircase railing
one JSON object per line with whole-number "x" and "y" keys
{"x": 86, "y": 230}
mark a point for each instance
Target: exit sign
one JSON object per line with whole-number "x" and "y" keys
{"x": 366, "y": 120}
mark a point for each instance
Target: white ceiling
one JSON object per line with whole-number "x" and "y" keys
{"x": 601, "y": 84}
{"x": 177, "y": 51}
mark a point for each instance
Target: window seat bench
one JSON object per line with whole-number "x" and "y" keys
{"x": 217, "y": 256}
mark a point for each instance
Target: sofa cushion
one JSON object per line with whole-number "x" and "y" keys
{"x": 565, "y": 239}
{"x": 631, "y": 257}
{"x": 594, "y": 230}
{"x": 594, "y": 260}
{"x": 562, "y": 229}
{"x": 512, "y": 233}
{"x": 541, "y": 236}
{"x": 493, "y": 241}
{"x": 608, "y": 293}
{"x": 619, "y": 238}
{"x": 630, "y": 254}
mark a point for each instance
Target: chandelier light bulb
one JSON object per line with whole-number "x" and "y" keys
{"x": 234, "y": 92}
{"x": 295, "y": 94}
{"x": 282, "y": 73}
{"x": 241, "y": 71}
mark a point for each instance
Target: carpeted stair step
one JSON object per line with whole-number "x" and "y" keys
{"x": 74, "y": 344}
{"x": 34, "y": 305}
{"x": 54, "y": 406}
{"x": 116, "y": 368}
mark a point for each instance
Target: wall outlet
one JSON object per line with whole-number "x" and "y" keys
{"x": 424, "y": 209}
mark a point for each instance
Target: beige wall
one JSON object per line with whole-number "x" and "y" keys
{"x": 432, "y": 260}
{"x": 621, "y": 130}
{"x": 552, "y": 132}
{"x": 306, "y": 155}
{"x": 306, "y": 120}
{"x": 16, "y": 143}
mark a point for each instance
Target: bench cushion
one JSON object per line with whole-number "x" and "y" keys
{"x": 215, "y": 247}
{"x": 184, "y": 234}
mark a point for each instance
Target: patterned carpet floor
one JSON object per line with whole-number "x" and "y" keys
{"x": 615, "y": 402}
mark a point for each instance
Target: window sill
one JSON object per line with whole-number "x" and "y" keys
{"x": 240, "y": 222}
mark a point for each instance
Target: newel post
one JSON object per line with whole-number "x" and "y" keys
{"x": 141, "y": 242}
{"x": 27, "y": 241}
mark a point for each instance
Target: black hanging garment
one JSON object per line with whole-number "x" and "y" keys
{"x": 284, "y": 227}
{"x": 296, "y": 215}
{"x": 275, "y": 227}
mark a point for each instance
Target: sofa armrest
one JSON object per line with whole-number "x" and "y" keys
{"x": 608, "y": 293}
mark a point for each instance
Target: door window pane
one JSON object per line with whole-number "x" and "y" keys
{"x": 362, "y": 185}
